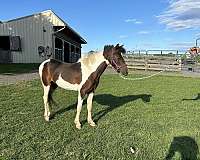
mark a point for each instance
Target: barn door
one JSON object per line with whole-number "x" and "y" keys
{"x": 5, "y": 56}
{"x": 5, "y": 53}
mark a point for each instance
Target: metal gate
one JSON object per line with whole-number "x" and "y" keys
{"x": 190, "y": 65}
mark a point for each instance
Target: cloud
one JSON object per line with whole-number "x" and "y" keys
{"x": 138, "y": 22}
{"x": 181, "y": 14}
{"x": 123, "y": 36}
{"x": 143, "y": 32}
{"x": 132, "y": 20}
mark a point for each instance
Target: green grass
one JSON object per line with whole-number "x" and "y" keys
{"x": 150, "y": 115}
{"x": 18, "y": 68}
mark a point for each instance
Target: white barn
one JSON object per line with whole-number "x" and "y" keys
{"x": 34, "y": 38}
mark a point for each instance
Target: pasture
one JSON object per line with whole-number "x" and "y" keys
{"x": 157, "y": 117}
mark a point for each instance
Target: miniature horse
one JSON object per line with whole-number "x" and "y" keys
{"x": 82, "y": 76}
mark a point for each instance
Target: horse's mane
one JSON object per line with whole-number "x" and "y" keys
{"x": 90, "y": 58}
{"x": 121, "y": 49}
{"x": 107, "y": 48}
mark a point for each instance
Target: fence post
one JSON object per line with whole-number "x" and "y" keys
{"x": 145, "y": 63}
{"x": 180, "y": 65}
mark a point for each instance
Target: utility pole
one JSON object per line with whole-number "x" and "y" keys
{"x": 196, "y": 41}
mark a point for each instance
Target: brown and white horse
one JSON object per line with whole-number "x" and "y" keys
{"x": 82, "y": 76}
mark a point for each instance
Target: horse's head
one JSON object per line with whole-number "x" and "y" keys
{"x": 114, "y": 56}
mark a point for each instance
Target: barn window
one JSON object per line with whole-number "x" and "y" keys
{"x": 58, "y": 49}
{"x": 12, "y": 43}
{"x": 15, "y": 43}
{"x": 72, "y": 49}
{"x": 77, "y": 50}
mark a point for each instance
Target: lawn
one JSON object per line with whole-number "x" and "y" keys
{"x": 157, "y": 118}
{"x": 18, "y": 68}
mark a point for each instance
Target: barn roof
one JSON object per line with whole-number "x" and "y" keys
{"x": 67, "y": 27}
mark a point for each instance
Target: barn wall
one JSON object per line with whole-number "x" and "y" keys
{"x": 30, "y": 29}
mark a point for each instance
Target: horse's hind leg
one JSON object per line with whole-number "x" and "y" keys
{"x": 52, "y": 89}
{"x": 46, "y": 102}
{"x": 89, "y": 108}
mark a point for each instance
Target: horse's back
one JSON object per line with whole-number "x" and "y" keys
{"x": 51, "y": 69}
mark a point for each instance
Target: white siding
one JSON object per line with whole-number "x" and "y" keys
{"x": 30, "y": 30}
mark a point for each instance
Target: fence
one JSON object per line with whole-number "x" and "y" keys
{"x": 153, "y": 63}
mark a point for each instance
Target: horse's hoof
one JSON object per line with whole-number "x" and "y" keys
{"x": 46, "y": 118}
{"x": 78, "y": 126}
{"x": 92, "y": 124}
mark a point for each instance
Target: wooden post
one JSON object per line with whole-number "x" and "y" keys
{"x": 180, "y": 64}
{"x": 146, "y": 63}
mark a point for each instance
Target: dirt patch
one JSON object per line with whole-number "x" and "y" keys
{"x": 6, "y": 79}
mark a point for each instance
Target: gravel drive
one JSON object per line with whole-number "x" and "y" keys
{"x": 15, "y": 78}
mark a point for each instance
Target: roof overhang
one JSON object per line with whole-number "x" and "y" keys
{"x": 68, "y": 31}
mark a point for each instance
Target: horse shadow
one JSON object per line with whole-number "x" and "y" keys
{"x": 186, "y": 146}
{"x": 110, "y": 101}
{"x": 192, "y": 99}
{"x": 61, "y": 110}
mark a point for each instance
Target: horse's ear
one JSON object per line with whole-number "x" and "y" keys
{"x": 117, "y": 46}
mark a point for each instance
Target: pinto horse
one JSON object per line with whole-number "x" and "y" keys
{"x": 82, "y": 76}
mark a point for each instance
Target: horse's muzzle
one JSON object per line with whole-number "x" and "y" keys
{"x": 124, "y": 71}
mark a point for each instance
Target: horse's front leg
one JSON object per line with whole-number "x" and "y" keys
{"x": 89, "y": 108}
{"x": 79, "y": 106}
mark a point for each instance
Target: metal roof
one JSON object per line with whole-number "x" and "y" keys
{"x": 46, "y": 11}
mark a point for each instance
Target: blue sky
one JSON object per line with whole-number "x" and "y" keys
{"x": 142, "y": 24}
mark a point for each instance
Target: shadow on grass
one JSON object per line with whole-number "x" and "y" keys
{"x": 110, "y": 101}
{"x": 193, "y": 99}
{"x": 61, "y": 110}
{"x": 186, "y": 146}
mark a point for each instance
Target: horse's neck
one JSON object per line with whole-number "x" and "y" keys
{"x": 93, "y": 62}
